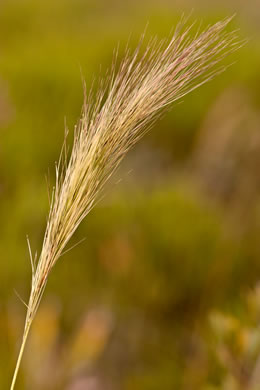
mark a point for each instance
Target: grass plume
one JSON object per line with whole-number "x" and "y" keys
{"x": 113, "y": 119}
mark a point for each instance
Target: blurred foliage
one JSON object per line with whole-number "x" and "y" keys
{"x": 175, "y": 243}
{"x": 236, "y": 344}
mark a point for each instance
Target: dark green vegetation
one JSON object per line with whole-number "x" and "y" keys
{"x": 177, "y": 240}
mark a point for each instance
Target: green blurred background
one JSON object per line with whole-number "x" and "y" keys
{"x": 162, "y": 294}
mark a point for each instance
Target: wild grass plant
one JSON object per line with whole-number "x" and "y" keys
{"x": 127, "y": 102}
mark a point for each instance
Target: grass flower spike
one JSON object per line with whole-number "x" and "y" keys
{"x": 113, "y": 119}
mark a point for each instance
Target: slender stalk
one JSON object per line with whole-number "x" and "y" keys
{"x": 19, "y": 359}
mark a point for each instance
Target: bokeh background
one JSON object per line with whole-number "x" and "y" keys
{"x": 163, "y": 293}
